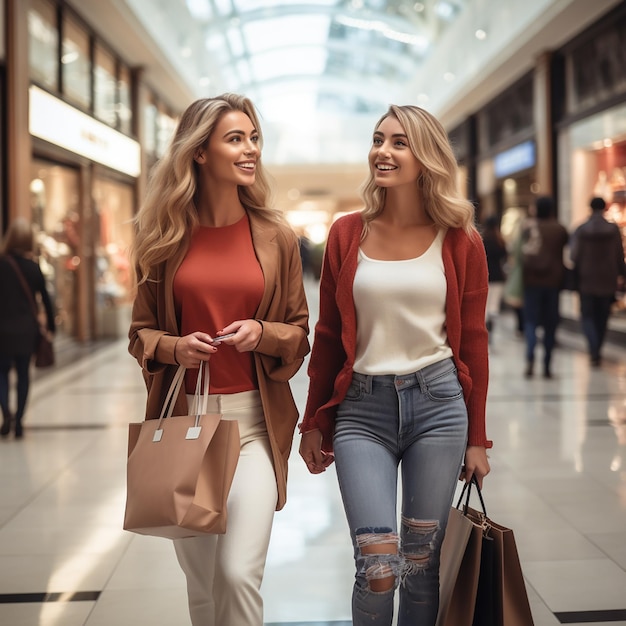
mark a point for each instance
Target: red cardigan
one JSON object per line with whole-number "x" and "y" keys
{"x": 334, "y": 346}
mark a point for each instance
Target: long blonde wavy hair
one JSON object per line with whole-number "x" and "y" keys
{"x": 428, "y": 141}
{"x": 169, "y": 214}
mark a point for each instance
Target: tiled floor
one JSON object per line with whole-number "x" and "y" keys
{"x": 558, "y": 479}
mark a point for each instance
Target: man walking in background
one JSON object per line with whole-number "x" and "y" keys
{"x": 598, "y": 256}
{"x": 543, "y": 241}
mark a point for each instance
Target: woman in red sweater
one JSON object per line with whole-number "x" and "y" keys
{"x": 399, "y": 367}
{"x": 214, "y": 259}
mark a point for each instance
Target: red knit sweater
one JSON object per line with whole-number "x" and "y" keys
{"x": 334, "y": 346}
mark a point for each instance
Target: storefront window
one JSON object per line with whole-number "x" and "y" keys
{"x": 104, "y": 86}
{"x": 150, "y": 129}
{"x": 593, "y": 163}
{"x": 113, "y": 203}
{"x": 55, "y": 193}
{"x": 76, "y": 63}
{"x": 43, "y": 42}
{"x": 595, "y": 69}
{"x": 165, "y": 129}
{"x": 124, "y": 106}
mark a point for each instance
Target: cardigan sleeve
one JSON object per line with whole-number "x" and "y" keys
{"x": 328, "y": 355}
{"x": 473, "y": 347}
{"x": 152, "y": 347}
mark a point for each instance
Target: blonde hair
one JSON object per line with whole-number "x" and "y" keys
{"x": 19, "y": 237}
{"x": 428, "y": 141}
{"x": 169, "y": 213}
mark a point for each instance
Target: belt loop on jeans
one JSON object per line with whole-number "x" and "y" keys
{"x": 419, "y": 376}
{"x": 367, "y": 383}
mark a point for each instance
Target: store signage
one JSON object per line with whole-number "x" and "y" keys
{"x": 59, "y": 123}
{"x": 521, "y": 157}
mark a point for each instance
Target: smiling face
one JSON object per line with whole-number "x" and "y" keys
{"x": 391, "y": 161}
{"x": 232, "y": 152}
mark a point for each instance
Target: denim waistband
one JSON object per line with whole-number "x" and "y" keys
{"x": 402, "y": 381}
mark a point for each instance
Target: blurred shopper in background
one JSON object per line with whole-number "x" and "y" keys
{"x": 543, "y": 242}
{"x": 399, "y": 367}
{"x": 495, "y": 249}
{"x": 513, "y": 294}
{"x": 598, "y": 255}
{"x": 19, "y": 328}
{"x": 213, "y": 259}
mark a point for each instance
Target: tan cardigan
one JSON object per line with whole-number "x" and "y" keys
{"x": 284, "y": 343}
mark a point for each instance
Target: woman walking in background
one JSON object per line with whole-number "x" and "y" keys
{"x": 399, "y": 367}
{"x": 495, "y": 249}
{"x": 19, "y": 328}
{"x": 214, "y": 259}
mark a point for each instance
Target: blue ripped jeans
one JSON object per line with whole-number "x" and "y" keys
{"x": 417, "y": 422}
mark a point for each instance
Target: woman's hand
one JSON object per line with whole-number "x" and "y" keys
{"x": 476, "y": 464}
{"x": 311, "y": 451}
{"x": 193, "y": 348}
{"x": 247, "y": 335}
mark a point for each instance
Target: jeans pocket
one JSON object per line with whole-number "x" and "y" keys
{"x": 355, "y": 391}
{"x": 444, "y": 387}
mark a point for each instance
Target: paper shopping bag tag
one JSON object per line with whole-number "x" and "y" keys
{"x": 193, "y": 432}
{"x": 157, "y": 435}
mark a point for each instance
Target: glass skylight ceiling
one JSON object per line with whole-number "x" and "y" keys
{"x": 304, "y": 63}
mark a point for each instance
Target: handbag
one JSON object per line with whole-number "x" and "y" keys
{"x": 487, "y": 587}
{"x": 44, "y": 348}
{"x": 180, "y": 469}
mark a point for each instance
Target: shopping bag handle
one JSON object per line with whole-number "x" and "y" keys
{"x": 201, "y": 395}
{"x": 172, "y": 393}
{"x": 467, "y": 490}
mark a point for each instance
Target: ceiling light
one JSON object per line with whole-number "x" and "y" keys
{"x": 200, "y": 9}
{"x": 383, "y": 28}
{"x": 444, "y": 10}
{"x": 480, "y": 34}
{"x": 449, "y": 77}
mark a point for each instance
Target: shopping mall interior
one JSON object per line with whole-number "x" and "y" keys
{"x": 533, "y": 97}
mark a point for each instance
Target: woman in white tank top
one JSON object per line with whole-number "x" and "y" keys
{"x": 399, "y": 366}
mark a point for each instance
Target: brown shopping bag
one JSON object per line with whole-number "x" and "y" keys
{"x": 512, "y": 606}
{"x": 459, "y": 572}
{"x": 489, "y": 586}
{"x": 180, "y": 469}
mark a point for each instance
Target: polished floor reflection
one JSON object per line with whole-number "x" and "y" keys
{"x": 558, "y": 479}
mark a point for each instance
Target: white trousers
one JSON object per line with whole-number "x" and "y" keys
{"x": 224, "y": 572}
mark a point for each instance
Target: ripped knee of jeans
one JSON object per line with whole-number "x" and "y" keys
{"x": 379, "y": 561}
{"x": 419, "y": 542}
